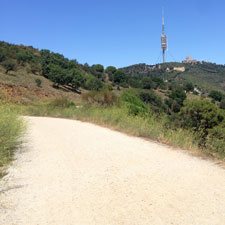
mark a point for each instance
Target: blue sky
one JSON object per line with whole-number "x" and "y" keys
{"x": 117, "y": 32}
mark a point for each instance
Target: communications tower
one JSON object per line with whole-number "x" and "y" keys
{"x": 163, "y": 39}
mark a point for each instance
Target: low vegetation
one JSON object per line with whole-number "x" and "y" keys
{"x": 11, "y": 129}
{"x": 198, "y": 126}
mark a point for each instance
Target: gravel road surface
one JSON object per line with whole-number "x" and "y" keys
{"x": 74, "y": 173}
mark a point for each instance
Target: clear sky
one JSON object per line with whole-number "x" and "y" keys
{"x": 117, "y": 32}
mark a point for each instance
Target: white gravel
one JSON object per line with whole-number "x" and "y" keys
{"x": 74, "y": 173}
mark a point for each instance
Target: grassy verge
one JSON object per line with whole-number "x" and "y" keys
{"x": 11, "y": 129}
{"x": 118, "y": 118}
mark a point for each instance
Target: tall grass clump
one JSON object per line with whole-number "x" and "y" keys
{"x": 11, "y": 129}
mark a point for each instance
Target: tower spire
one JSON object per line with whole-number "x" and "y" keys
{"x": 163, "y": 38}
{"x": 163, "y": 22}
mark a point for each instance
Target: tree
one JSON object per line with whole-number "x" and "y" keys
{"x": 147, "y": 83}
{"x": 24, "y": 56}
{"x": 110, "y": 70}
{"x": 9, "y": 65}
{"x": 93, "y": 84}
{"x": 157, "y": 81}
{"x": 57, "y": 74}
{"x": 201, "y": 115}
{"x": 178, "y": 95}
{"x": 216, "y": 95}
{"x": 99, "y": 68}
{"x": 119, "y": 77}
{"x": 76, "y": 78}
{"x": 189, "y": 87}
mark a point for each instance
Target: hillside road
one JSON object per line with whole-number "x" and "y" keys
{"x": 69, "y": 172}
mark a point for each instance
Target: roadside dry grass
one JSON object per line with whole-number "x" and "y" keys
{"x": 11, "y": 129}
{"x": 117, "y": 118}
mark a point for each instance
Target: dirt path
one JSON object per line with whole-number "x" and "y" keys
{"x": 74, "y": 173}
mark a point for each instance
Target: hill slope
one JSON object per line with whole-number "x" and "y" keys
{"x": 207, "y": 76}
{"x": 29, "y": 73}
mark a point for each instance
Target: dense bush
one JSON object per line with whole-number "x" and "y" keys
{"x": 147, "y": 83}
{"x": 24, "y": 56}
{"x": 110, "y": 70}
{"x": 156, "y": 102}
{"x": 134, "y": 82}
{"x": 178, "y": 95}
{"x": 216, "y": 95}
{"x": 9, "y": 65}
{"x": 215, "y": 140}
{"x": 222, "y": 103}
{"x": 175, "y": 100}
{"x": 119, "y": 77}
{"x": 93, "y": 84}
{"x": 99, "y": 68}
{"x": 38, "y": 82}
{"x": 158, "y": 82}
{"x": 189, "y": 87}
{"x": 57, "y": 74}
{"x": 135, "y": 106}
{"x": 75, "y": 78}
{"x": 201, "y": 116}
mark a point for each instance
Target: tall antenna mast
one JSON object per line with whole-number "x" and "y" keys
{"x": 163, "y": 22}
{"x": 163, "y": 38}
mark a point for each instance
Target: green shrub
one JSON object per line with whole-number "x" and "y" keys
{"x": 24, "y": 56}
{"x": 110, "y": 70}
{"x": 134, "y": 105}
{"x": 119, "y": 77}
{"x": 93, "y": 84}
{"x": 99, "y": 68}
{"x": 178, "y": 95}
{"x": 222, "y": 103}
{"x": 76, "y": 78}
{"x": 189, "y": 87}
{"x": 216, "y": 95}
{"x": 153, "y": 99}
{"x": 147, "y": 83}
{"x": 201, "y": 115}
{"x": 9, "y": 65}
{"x": 38, "y": 82}
{"x": 215, "y": 141}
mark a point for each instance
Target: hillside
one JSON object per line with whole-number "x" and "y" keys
{"x": 28, "y": 74}
{"x": 169, "y": 103}
{"x": 207, "y": 76}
